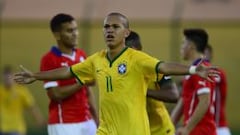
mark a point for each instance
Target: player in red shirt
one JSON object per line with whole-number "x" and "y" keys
{"x": 196, "y": 103}
{"x": 220, "y": 97}
{"x": 69, "y": 108}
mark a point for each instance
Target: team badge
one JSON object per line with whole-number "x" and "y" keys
{"x": 122, "y": 68}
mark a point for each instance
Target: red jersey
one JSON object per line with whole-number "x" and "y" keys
{"x": 220, "y": 99}
{"x": 193, "y": 85}
{"x": 74, "y": 108}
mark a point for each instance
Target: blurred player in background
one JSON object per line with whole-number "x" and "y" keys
{"x": 196, "y": 104}
{"x": 166, "y": 90}
{"x": 71, "y": 109}
{"x": 220, "y": 97}
{"x": 14, "y": 101}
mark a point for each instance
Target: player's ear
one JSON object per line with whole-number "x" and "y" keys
{"x": 127, "y": 33}
{"x": 56, "y": 35}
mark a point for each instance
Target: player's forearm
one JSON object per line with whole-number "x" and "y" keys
{"x": 60, "y": 93}
{"x": 92, "y": 104}
{"x": 55, "y": 74}
{"x": 199, "y": 112}
{"x": 177, "y": 112}
{"x": 34, "y": 110}
{"x": 173, "y": 68}
{"x": 165, "y": 95}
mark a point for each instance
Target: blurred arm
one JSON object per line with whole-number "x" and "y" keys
{"x": 201, "y": 109}
{"x": 177, "y": 112}
{"x": 180, "y": 69}
{"x": 55, "y": 74}
{"x": 60, "y": 93}
{"x": 92, "y": 105}
{"x": 37, "y": 115}
{"x": 26, "y": 76}
{"x": 168, "y": 92}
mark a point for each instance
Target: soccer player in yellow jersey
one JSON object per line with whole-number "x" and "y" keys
{"x": 14, "y": 100}
{"x": 122, "y": 75}
{"x": 159, "y": 119}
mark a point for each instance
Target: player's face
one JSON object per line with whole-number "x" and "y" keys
{"x": 68, "y": 35}
{"x": 7, "y": 79}
{"x": 114, "y": 31}
{"x": 185, "y": 49}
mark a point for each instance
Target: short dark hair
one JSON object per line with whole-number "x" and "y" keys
{"x": 198, "y": 36}
{"x": 58, "y": 20}
{"x": 133, "y": 40}
{"x": 125, "y": 23}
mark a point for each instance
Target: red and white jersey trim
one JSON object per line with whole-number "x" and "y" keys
{"x": 204, "y": 90}
{"x": 50, "y": 84}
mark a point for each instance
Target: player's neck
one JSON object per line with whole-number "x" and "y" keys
{"x": 196, "y": 56}
{"x": 65, "y": 50}
{"x": 114, "y": 52}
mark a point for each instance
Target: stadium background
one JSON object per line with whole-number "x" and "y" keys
{"x": 25, "y": 35}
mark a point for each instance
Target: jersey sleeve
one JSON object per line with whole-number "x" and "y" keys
{"x": 202, "y": 86}
{"x": 47, "y": 63}
{"x": 84, "y": 71}
{"x": 148, "y": 65}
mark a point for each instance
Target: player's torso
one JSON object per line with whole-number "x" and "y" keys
{"x": 122, "y": 95}
{"x": 191, "y": 85}
{"x": 12, "y": 106}
{"x": 75, "y": 107}
{"x": 119, "y": 78}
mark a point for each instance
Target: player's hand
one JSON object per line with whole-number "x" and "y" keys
{"x": 207, "y": 72}
{"x": 24, "y": 77}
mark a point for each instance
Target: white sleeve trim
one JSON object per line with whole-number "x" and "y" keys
{"x": 203, "y": 90}
{"x": 50, "y": 84}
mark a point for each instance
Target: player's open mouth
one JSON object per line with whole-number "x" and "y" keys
{"x": 109, "y": 38}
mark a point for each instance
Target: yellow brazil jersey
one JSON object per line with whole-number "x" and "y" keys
{"x": 13, "y": 102}
{"x": 122, "y": 87}
{"x": 159, "y": 119}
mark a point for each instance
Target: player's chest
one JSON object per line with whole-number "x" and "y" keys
{"x": 116, "y": 69}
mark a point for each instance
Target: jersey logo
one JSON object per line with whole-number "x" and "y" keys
{"x": 122, "y": 68}
{"x": 202, "y": 83}
{"x": 167, "y": 77}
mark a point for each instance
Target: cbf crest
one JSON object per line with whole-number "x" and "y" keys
{"x": 122, "y": 68}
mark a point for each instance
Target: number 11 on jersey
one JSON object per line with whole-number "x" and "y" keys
{"x": 109, "y": 83}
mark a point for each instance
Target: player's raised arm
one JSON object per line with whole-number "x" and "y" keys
{"x": 27, "y": 77}
{"x": 179, "y": 69}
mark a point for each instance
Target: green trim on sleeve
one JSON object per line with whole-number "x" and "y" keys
{"x": 79, "y": 80}
{"x": 156, "y": 69}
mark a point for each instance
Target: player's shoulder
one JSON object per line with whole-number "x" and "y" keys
{"x": 48, "y": 56}
{"x": 53, "y": 52}
{"x": 80, "y": 51}
{"x": 136, "y": 53}
{"x": 21, "y": 88}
